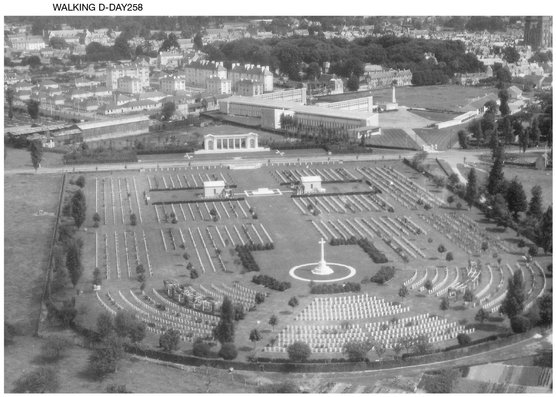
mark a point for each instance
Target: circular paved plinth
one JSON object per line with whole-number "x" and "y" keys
{"x": 304, "y": 273}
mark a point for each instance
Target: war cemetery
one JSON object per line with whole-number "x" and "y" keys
{"x": 328, "y": 254}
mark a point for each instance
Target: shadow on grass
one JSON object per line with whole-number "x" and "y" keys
{"x": 495, "y": 229}
{"x": 420, "y": 295}
{"x": 285, "y": 312}
{"x": 245, "y": 349}
{"x": 459, "y": 308}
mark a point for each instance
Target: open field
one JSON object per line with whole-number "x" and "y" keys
{"x": 21, "y": 158}
{"x": 139, "y": 376}
{"x": 27, "y": 240}
{"x": 394, "y": 220}
{"x": 448, "y": 97}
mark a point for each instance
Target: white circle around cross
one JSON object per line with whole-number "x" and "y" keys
{"x": 351, "y": 273}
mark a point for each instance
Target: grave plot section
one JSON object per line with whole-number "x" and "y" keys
{"x": 464, "y": 232}
{"x": 201, "y": 210}
{"x": 176, "y": 179}
{"x": 334, "y": 321}
{"x": 340, "y": 203}
{"x": 160, "y": 314}
{"x": 400, "y": 188}
{"x": 116, "y": 198}
{"x": 118, "y": 253}
{"x": 329, "y": 175}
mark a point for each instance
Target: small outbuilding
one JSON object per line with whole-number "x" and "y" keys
{"x": 214, "y": 188}
{"x": 311, "y": 184}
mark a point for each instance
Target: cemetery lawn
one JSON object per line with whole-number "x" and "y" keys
{"x": 26, "y": 244}
{"x": 21, "y": 158}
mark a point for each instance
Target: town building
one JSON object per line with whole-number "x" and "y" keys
{"x": 247, "y": 87}
{"x": 376, "y": 77}
{"x": 217, "y": 85}
{"x": 130, "y": 85}
{"x": 258, "y": 73}
{"x": 26, "y": 43}
{"x": 171, "y": 84}
{"x": 196, "y": 73}
{"x": 167, "y": 59}
{"x": 139, "y": 70}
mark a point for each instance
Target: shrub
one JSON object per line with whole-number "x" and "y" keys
{"x": 80, "y": 181}
{"x": 41, "y": 380}
{"x": 464, "y": 339}
{"x": 193, "y": 274}
{"x": 335, "y": 288}
{"x": 299, "y": 352}
{"x": 133, "y": 219}
{"x": 259, "y": 298}
{"x": 169, "y": 340}
{"x": 376, "y": 255}
{"x": 521, "y": 243}
{"x": 271, "y": 282}
{"x": 228, "y": 351}
{"x": 520, "y": 324}
{"x": 441, "y": 248}
{"x": 533, "y": 250}
{"x": 444, "y": 304}
{"x": 293, "y": 302}
{"x": 428, "y": 285}
{"x": 449, "y": 256}
{"x": 275, "y": 388}
{"x": 114, "y": 388}
{"x": 54, "y": 348}
{"x": 246, "y": 258}
{"x": 201, "y": 349}
{"x": 384, "y": 274}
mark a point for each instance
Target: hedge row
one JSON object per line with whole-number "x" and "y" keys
{"x": 335, "y": 288}
{"x": 247, "y": 260}
{"x": 256, "y": 246}
{"x": 271, "y": 282}
{"x": 352, "y": 240}
{"x": 384, "y": 274}
{"x": 376, "y": 255}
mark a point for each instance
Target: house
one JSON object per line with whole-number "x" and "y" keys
{"x": 213, "y": 188}
{"x": 311, "y": 184}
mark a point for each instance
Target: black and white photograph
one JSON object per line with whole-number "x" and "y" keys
{"x": 204, "y": 203}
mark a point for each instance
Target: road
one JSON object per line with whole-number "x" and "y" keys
{"x": 453, "y": 158}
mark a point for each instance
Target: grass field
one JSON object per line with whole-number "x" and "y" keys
{"x": 434, "y": 116}
{"x": 26, "y": 244}
{"x": 448, "y": 97}
{"x": 21, "y": 158}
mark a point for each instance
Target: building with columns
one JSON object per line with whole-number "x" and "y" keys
{"x": 231, "y": 143}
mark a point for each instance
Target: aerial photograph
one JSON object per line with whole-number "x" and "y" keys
{"x": 278, "y": 204}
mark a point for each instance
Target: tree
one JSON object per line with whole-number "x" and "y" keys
{"x": 224, "y": 331}
{"x": 137, "y": 331}
{"x": 127, "y": 325}
{"x": 475, "y": 128}
{"x": 228, "y": 351}
{"x": 378, "y": 348}
{"x": 80, "y": 181}
{"x": 507, "y": 130}
{"x": 504, "y": 96}
{"x": 170, "y": 43}
{"x": 36, "y": 153}
{"x": 40, "y": 380}
{"x": 403, "y": 292}
{"x": 293, "y": 302}
{"x": 463, "y": 139}
{"x": 96, "y": 218}
{"x": 495, "y": 177}
{"x": 357, "y": 350}
{"x": 114, "y": 388}
{"x": 54, "y": 348}
{"x": 313, "y": 71}
{"x": 481, "y": 315}
{"x": 407, "y": 342}
{"x": 524, "y": 139}
{"x": 500, "y": 211}
{"x": 168, "y": 110}
{"x": 468, "y": 296}
{"x": 198, "y": 41}
{"x": 421, "y": 344}
{"x": 273, "y": 321}
{"x": 10, "y": 93}
{"x": 97, "y": 278}
{"x": 353, "y": 83}
{"x": 33, "y": 108}
{"x": 535, "y": 131}
{"x": 510, "y": 54}
{"x": 545, "y": 309}
{"x": 73, "y": 261}
{"x": 471, "y": 189}
{"x": 255, "y": 336}
{"x": 516, "y": 198}
{"x": 299, "y": 352}
{"x": 78, "y": 208}
{"x": 104, "y": 360}
{"x": 105, "y": 325}
{"x": 169, "y": 340}
{"x": 444, "y": 304}
{"x": 463, "y": 339}
{"x": 133, "y": 219}
{"x": 535, "y": 204}
{"x": 514, "y": 302}
{"x": 58, "y": 43}
{"x": 544, "y": 231}
{"x": 520, "y": 324}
